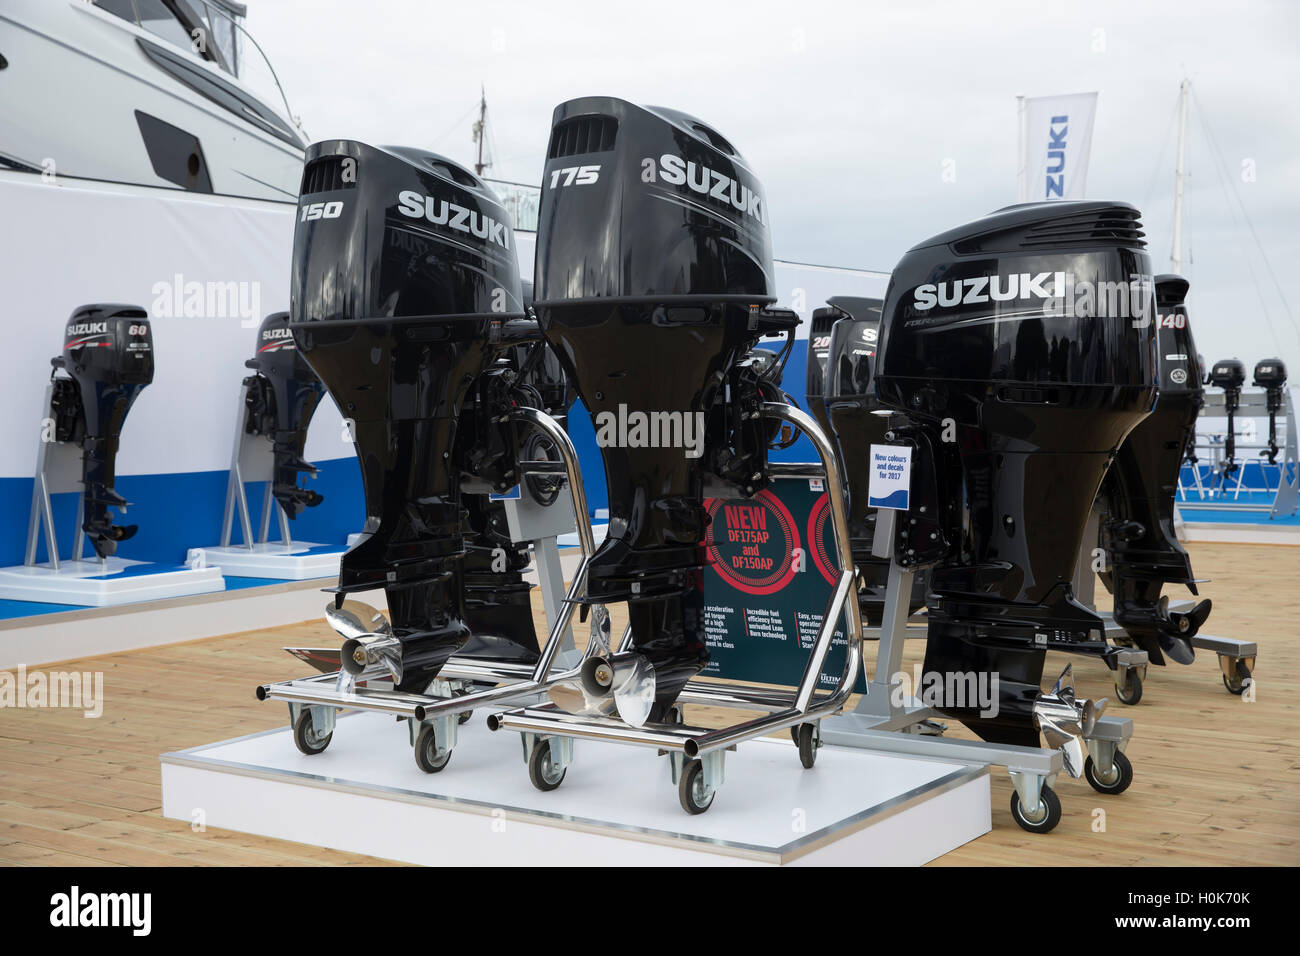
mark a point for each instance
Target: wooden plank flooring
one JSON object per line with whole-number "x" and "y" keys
{"x": 1217, "y": 779}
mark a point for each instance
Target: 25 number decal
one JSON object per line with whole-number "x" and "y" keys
{"x": 321, "y": 210}
{"x": 575, "y": 176}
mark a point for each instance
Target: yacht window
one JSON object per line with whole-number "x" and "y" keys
{"x": 158, "y": 18}
{"x": 119, "y": 8}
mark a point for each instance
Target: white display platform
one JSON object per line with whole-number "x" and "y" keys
{"x": 271, "y": 559}
{"x": 617, "y": 805}
{"x": 90, "y": 583}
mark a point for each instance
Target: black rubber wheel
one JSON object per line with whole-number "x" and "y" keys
{"x": 1238, "y": 684}
{"x": 1122, "y": 769}
{"x": 305, "y": 737}
{"x": 426, "y": 751}
{"x": 464, "y": 718}
{"x": 794, "y": 734}
{"x": 1131, "y": 691}
{"x": 541, "y": 769}
{"x": 807, "y": 741}
{"x": 1049, "y": 812}
{"x": 690, "y": 788}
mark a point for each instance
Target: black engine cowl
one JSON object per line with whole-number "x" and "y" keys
{"x": 108, "y": 357}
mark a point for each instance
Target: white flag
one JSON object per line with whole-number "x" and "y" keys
{"x": 1055, "y": 140}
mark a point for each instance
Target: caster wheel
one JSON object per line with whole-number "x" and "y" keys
{"x": 464, "y": 718}
{"x": 1048, "y": 816}
{"x": 426, "y": 751}
{"x": 690, "y": 788}
{"x": 1130, "y": 692}
{"x": 1237, "y": 685}
{"x": 806, "y": 738}
{"x": 305, "y": 736}
{"x": 542, "y": 770}
{"x": 1121, "y": 775}
{"x": 794, "y": 734}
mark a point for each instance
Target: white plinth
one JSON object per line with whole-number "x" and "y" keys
{"x": 617, "y": 805}
{"x": 115, "y": 581}
{"x": 273, "y": 560}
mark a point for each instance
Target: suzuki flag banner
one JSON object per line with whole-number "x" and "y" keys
{"x": 1055, "y": 140}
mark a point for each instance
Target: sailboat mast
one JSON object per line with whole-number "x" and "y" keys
{"x": 480, "y": 130}
{"x": 1180, "y": 175}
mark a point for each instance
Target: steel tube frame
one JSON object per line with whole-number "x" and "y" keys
{"x": 522, "y": 684}
{"x": 789, "y": 709}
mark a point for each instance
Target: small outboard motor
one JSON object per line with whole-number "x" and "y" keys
{"x": 1021, "y": 348}
{"x": 282, "y": 396}
{"x": 654, "y": 270}
{"x": 405, "y": 293}
{"x": 1229, "y": 375}
{"x": 1270, "y": 375}
{"x": 819, "y": 347}
{"x": 857, "y": 420}
{"x": 108, "y": 358}
{"x": 1137, "y": 496}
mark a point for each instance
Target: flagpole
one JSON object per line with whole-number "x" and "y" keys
{"x": 1022, "y": 183}
{"x": 1180, "y": 175}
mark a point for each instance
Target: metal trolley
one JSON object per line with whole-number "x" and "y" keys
{"x": 697, "y": 755}
{"x": 433, "y": 717}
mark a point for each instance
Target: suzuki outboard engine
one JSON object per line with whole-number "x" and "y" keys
{"x": 108, "y": 358}
{"x": 1229, "y": 375}
{"x": 282, "y": 397}
{"x": 1022, "y": 349}
{"x": 654, "y": 267}
{"x": 857, "y": 420}
{"x": 1270, "y": 375}
{"x": 1137, "y": 496}
{"x": 405, "y": 292}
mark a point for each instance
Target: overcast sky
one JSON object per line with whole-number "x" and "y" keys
{"x": 848, "y": 112}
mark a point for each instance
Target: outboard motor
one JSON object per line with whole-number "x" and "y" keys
{"x": 108, "y": 358}
{"x": 1137, "y": 496}
{"x": 1270, "y": 375}
{"x": 857, "y": 420}
{"x": 282, "y": 396}
{"x": 654, "y": 270}
{"x": 1229, "y": 375}
{"x": 819, "y": 347}
{"x": 1021, "y": 348}
{"x": 405, "y": 292}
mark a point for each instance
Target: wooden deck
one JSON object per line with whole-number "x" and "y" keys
{"x": 1217, "y": 779}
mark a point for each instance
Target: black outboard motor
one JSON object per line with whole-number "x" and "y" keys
{"x": 108, "y": 357}
{"x": 857, "y": 421}
{"x": 654, "y": 267}
{"x": 405, "y": 292}
{"x": 1137, "y": 496}
{"x": 1270, "y": 375}
{"x": 281, "y": 399}
{"x": 1022, "y": 349}
{"x": 819, "y": 348}
{"x": 1229, "y": 375}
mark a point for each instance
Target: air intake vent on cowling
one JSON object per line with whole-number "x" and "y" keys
{"x": 326, "y": 174}
{"x": 583, "y": 134}
{"x": 1097, "y": 227}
